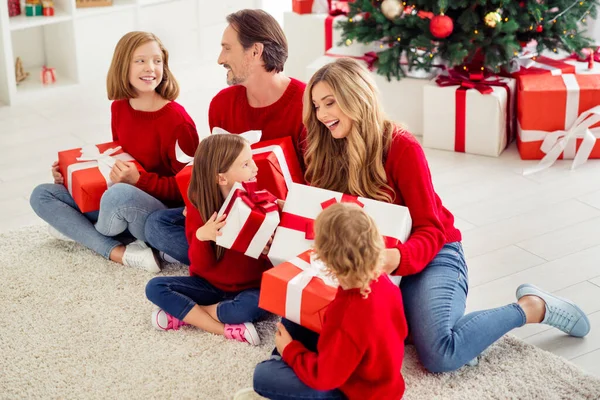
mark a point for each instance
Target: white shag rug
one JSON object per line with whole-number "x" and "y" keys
{"x": 76, "y": 326}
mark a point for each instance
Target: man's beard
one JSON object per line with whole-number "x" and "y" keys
{"x": 236, "y": 80}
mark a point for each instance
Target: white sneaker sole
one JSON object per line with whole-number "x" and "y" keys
{"x": 251, "y": 334}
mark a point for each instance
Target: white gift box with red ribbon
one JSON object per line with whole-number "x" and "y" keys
{"x": 251, "y": 218}
{"x": 304, "y": 203}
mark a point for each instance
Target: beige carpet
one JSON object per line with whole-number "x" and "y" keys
{"x": 75, "y": 326}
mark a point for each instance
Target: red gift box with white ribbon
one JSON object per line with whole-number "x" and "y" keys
{"x": 86, "y": 172}
{"x": 299, "y": 289}
{"x": 251, "y": 218}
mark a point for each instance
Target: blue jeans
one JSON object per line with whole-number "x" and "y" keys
{"x": 165, "y": 231}
{"x": 274, "y": 379}
{"x": 177, "y": 295}
{"x": 434, "y": 303}
{"x": 125, "y": 207}
{"x": 119, "y": 205}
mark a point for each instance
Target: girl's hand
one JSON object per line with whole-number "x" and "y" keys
{"x": 280, "y": 204}
{"x": 268, "y": 246}
{"x": 124, "y": 172}
{"x": 391, "y": 260}
{"x": 58, "y": 178}
{"x": 184, "y": 212}
{"x": 211, "y": 229}
{"x": 282, "y": 338}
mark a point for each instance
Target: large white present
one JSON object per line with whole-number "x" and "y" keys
{"x": 469, "y": 113}
{"x": 252, "y": 217}
{"x": 295, "y": 232}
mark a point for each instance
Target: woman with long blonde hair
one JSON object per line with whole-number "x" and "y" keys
{"x": 353, "y": 148}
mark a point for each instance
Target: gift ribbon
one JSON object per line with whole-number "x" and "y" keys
{"x": 306, "y": 225}
{"x": 260, "y": 203}
{"x": 251, "y": 136}
{"x": 589, "y": 55}
{"x": 370, "y": 58}
{"x": 311, "y": 268}
{"x": 92, "y": 158}
{"x": 565, "y": 141}
{"x": 481, "y": 82}
{"x": 532, "y": 62}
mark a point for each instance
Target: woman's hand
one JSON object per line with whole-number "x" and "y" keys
{"x": 282, "y": 338}
{"x": 124, "y": 172}
{"x": 58, "y": 178}
{"x": 391, "y": 260}
{"x": 211, "y": 229}
{"x": 268, "y": 246}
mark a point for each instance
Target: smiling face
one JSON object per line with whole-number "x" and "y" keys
{"x": 243, "y": 169}
{"x": 328, "y": 111}
{"x": 234, "y": 58}
{"x": 146, "y": 69}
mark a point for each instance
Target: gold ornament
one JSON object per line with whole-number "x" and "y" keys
{"x": 392, "y": 8}
{"x": 492, "y": 18}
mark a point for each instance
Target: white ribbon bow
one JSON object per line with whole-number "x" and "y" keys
{"x": 524, "y": 59}
{"x": 251, "y": 136}
{"x": 314, "y": 269}
{"x": 91, "y": 157}
{"x": 555, "y": 142}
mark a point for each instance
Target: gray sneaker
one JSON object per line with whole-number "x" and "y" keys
{"x": 139, "y": 255}
{"x": 560, "y": 313}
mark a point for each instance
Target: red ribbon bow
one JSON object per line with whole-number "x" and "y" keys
{"x": 481, "y": 81}
{"x": 260, "y": 202}
{"x": 255, "y": 198}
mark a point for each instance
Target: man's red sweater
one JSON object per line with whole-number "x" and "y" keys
{"x": 230, "y": 110}
{"x": 151, "y": 137}
{"x": 432, "y": 224}
{"x": 234, "y": 272}
{"x": 361, "y": 346}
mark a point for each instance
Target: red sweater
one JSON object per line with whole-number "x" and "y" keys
{"x": 361, "y": 346}
{"x": 432, "y": 224}
{"x": 230, "y": 110}
{"x": 150, "y": 138}
{"x": 233, "y": 273}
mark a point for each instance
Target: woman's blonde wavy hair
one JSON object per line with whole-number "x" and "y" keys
{"x": 349, "y": 243}
{"x": 354, "y": 164}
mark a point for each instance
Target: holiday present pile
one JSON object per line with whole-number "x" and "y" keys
{"x": 469, "y": 112}
{"x": 289, "y": 289}
{"x": 277, "y": 162}
{"x": 252, "y": 216}
{"x": 86, "y": 172}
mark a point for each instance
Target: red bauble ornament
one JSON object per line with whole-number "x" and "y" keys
{"x": 539, "y": 29}
{"x": 441, "y": 26}
{"x": 367, "y": 15}
{"x": 521, "y": 4}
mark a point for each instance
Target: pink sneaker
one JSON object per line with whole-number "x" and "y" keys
{"x": 163, "y": 321}
{"x": 245, "y": 333}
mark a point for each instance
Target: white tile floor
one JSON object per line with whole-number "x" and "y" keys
{"x": 543, "y": 229}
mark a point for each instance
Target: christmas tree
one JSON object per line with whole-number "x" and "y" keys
{"x": 488, "y": 33}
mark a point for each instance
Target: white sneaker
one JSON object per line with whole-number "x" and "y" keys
{"x": 247, "y": 394}
{"x": 52, "y": 231}
{"x": 139, "y": 255}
